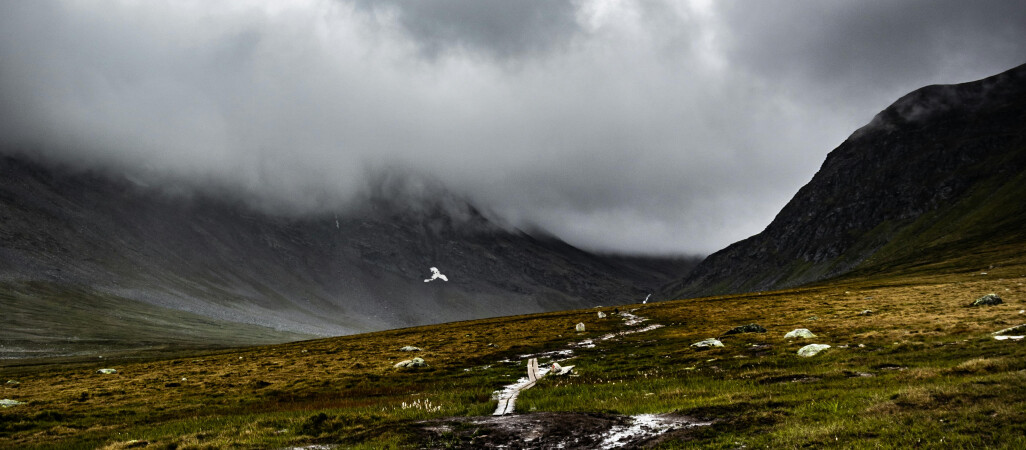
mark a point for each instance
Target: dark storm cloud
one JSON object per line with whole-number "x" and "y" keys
{"x": 498, "y": 29}
{"x": 876, "y": 46}
{"x": 619, "y": 125}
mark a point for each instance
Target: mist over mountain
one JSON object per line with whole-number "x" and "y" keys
{"x": 357, "y": 270}
{"x": 939, "y": 172}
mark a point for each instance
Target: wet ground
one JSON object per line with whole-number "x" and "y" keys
{"x": 551, "y": 430}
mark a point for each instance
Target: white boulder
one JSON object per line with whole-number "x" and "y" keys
{"x": 812, "y": 350}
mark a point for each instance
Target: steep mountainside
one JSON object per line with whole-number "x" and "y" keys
{"x": 942, "y": 171}
{"x": 63, "y": 230}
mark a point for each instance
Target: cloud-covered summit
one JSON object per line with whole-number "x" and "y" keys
{"x": 637, "y": 126}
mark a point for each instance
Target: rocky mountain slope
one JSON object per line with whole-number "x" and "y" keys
{"x": 942, "y": 171}
{"x": 69, "y": 231}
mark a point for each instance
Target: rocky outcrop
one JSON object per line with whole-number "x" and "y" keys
{"x": 916, "y": 177}
{"x": 987, "y": 300}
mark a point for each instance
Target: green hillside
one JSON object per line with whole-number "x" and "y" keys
{"x": 920, "y": 370}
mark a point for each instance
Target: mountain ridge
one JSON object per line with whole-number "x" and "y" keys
{"x": 357, "y": 270}
{"x": 918, "y": 159}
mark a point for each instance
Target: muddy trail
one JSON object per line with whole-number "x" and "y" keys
{"x": 545, "y": 430}
{"x": 508, "y": 430}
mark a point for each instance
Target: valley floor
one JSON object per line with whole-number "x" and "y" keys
{"x": 920, "y": 370}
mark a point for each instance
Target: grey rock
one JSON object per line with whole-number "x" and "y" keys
{"x": 107, "y": 371}
{"x": 410, "y": 348}
{"x": 868, "y": 312}
{"x": 750, "y": 328}
{"x": 580, "y": 326}
{"x": 812, "y": 350}
{"x": 601, "y": 315}
{"x": 12, "y": 383}
{"x": 7, "y": 403}
{"x": 707, "y": 343}
{"x": 411, "y": 363}
{"x": 799, "y": 333}
{"x": 987, "y": 300}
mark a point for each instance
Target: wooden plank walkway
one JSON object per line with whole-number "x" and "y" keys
{"x": 507, "y": 403}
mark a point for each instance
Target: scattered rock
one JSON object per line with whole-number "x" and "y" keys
{"x": 557, "y": 369}
{"x": 411, "y": 363}
{"x": 1018, "y": 329}
{"x": 409, "y": 348}
{"x": 799, "y": 333}
{"x": 580, "y": 326}
{"x": 868, "y": 312}
{"x": 601, "y": 315}
{"x": 812, "y": 350}
{"x": 107, "y": 371}
{"x": 12, "y": 383}
{"x": 750, "y": 328}
{"x": 707, "y": 343}
{"x": 7, "y": 403}
{"x": 987, "y": 300}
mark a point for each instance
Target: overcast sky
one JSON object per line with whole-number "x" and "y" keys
{"x": 634, "y": 126}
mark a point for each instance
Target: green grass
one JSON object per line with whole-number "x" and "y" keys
{"x": 937, "y": 378}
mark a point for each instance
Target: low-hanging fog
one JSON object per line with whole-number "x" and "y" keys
{"x": 661, "y": 127}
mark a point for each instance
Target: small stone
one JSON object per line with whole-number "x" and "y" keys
{"x": 799, "y": 333}
{"x": 7, "y": 403}
{"x": 410, "y": 348}
{"x": 707, "y": 343}
{"x": 868, "y": 312}
{"x": 987, "y": 300}
{"x": 750, "y": 328}
{"x": 107, "y": 371}
{"x": 580, "y": 326}
{"x": 812, "y": 350}
{"x": 12, "y": 383}
{"x": 411, "y": 363}
{"x": 601, "y": 315}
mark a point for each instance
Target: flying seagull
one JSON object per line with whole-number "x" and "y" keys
{"x": 646, "y": 299}
{"x": 436, "y": 274}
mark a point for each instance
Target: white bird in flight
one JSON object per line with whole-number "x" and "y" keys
{"x": 646, "y": 299}
{"x": 436, "y": 274}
